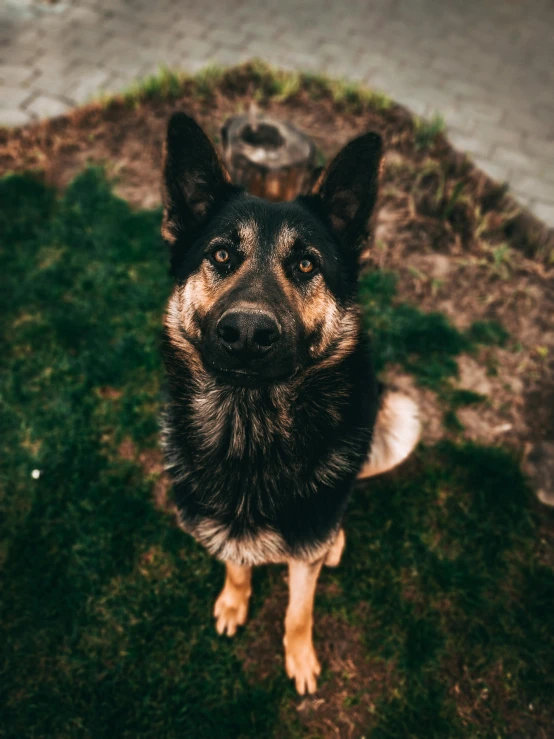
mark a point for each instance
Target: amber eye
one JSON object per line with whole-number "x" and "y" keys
{"x": 221, "y": 256}
{"x": 306, "y": 265}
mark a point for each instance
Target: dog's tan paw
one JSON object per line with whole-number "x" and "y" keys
{"x": 302, "y": 665}
{"x": 230, "y": 612}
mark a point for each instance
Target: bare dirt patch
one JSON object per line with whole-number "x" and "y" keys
{"x": 151, "y": 462}
{"x": 480, "y": 699}
{"x": 352, "y": 682}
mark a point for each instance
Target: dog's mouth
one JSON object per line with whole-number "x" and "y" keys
{"x": 242, "y": 377}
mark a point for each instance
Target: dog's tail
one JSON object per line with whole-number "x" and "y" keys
{"x": 396, "y": 433}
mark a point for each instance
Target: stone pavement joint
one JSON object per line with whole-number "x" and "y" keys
{"x": 487, "y": 68}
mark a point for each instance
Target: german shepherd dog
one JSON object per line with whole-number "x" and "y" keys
{"x": 273, "y": 407}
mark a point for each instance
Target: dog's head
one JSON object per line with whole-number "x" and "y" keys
{"x": 263, "y": 290}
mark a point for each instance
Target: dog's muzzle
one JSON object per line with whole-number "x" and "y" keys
{"x": 247, "y": 345}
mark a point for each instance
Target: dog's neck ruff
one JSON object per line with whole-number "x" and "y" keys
{"x": 274, "y": 460}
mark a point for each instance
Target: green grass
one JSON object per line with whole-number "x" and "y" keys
{"x": 427, "y": 130}
{"x": 355, "y": 98}
{"x": 106, "y": 625}
{"x": 424, "y": 344}
{"x": 255, "y": 78}
{"x": 167, "y": 84}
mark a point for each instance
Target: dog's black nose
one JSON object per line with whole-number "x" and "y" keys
{"x": 248, "y": 332}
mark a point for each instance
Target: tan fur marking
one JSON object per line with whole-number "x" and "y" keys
{"x": 266, "y": 547}
{"x": 300, "y": 658}
{"x": 211, "y": 411}
{"x": 320, "y": 306}
{"x": 231, "y": 607}
{"x": 285, "y": 241}
{"x": 318, "y": 309}
{"x": 320, "y": 180}
{"x": 396, "y": 434}
{"x": 174, "y": 324}
{"x": 196, "y": 297}
{"x": 249, "y": 236}
{"x": 224, "y": 171}
{"x": 167, "y": 230}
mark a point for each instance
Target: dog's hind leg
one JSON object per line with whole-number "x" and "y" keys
{"x": 332, "y": 558}
{"x": 300, "y": 658}
{"x": 231, "y": 607}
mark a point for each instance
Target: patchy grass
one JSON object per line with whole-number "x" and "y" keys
{"x": 206, "y": 81}
{"x": 424, "y": 344}
{"x": 106, "y": 607}
{"x": 356, "y": 99}
{"x": 427, "y": 130}
{"x": 491, "y": 333}
{"x": 264, "y": 81}
{"x": 166, "y": 85}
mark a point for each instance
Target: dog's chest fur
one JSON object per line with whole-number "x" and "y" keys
{"x": 261, "y": 475}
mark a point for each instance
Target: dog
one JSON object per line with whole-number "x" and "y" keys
{"x": 273, "y": 408}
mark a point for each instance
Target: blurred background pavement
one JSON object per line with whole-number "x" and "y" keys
{"x": 486, "y": 67}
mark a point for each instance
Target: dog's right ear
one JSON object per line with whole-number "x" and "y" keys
{"x": 194, "y": 179}
{"x": 346, "y": 192}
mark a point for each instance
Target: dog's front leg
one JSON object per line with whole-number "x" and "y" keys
{"x": 300, "y": 658}
{"x": 231, "y": 607}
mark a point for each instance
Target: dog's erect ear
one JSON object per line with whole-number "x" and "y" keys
{"x": 347, "y": 189}
{"x": 194, "y": 179}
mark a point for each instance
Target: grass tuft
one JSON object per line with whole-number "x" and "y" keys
{"x": 355, "y": 98}
{"x": 427, "y": 130}
{"x": 490, "y": 333}
{"x": 256, "y": 78}
{"x": 165, "y": 85}
{"x": 207, "y": 80}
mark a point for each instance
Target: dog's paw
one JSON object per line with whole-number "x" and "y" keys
{"x": 230, "y": 612}
{"x": 302, "y": 665}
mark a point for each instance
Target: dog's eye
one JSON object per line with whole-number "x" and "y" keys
{"x": 221, "y": 256}
{"x": 306, "y": 266}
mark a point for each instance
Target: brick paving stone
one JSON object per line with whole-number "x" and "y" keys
{"x": 12, "y": 97}
{"x": 542, "y": 147}
{"x": 472, "y": 144}
{"x": 488, "y": 68}
{"x": 53, "y": 83}
{"x": 15, "y": 74}
{"x": 416, "y": 104}
{"x": 517, "y": 159}
{"x": 534, "y": 187}
{"x": 228, "y": 57}
{"x": 524, "y": 120}
{"x": 46, "y": 106}
{"x": 544, "y": 211}
{"x": 87, "y": 85}
{"x": 497, "y": 135}
{"x": 14, "y": 117}
{"x": 495, "y": 170}
{"x": 198, "y": 48}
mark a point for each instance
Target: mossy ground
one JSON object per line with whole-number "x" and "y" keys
{"x": 106, "y": 622}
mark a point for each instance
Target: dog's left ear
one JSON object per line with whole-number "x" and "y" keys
{"x": 347, "y": 191}
{"x": 194, "y": 179}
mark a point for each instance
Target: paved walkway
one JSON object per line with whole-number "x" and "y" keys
{"x": 487, "y": 67}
